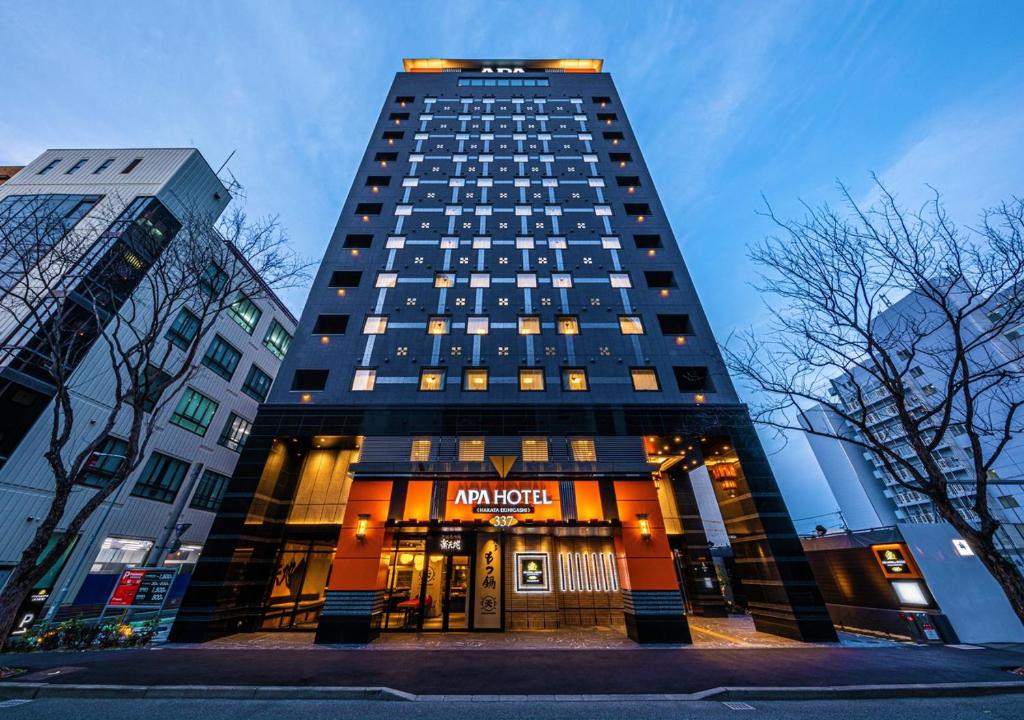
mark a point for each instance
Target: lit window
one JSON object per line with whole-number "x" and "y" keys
{"x": 410, "y": 182}
{"x": 481, "y": 243}
{"x": 524, "y": 243}
{"x": 557, "y": 243}
{"x": 610, "y": 242}
{"x": 561, "y": 280}
{"x": 420, "y": 451}
{"x": 553, "y": 210}
{"x": 444, "y": 280}
{"x": 395, "y": 242}
{"x": 549, "y": 182}
{"x": 456, "y": 182}
{"x": 485, "y": 182}
{"x": 479, "y": 280}
{"x": 364, "y": 380}
{"x": 645, "y": 379}
{"x": 403, "y": 210}
{"x": 583, "y": 450}
{"x": 432, "y": 379}
{"x": 568, "y": 325}
{"x": 471, "y": 450}
{"x": 595, "y": 182}
{"x": 524, "y": 210}
{"x": 535, "y": 449}
{"x": 474, "y": 379}
{"x": 526, "y": 280}
{"x": 574, "y": 379}
{"x": 477, "y": 325}
{"x": 375, "y": 325}
{"x": 602, "y": 210}
{"x": 529, "y": 325}
{"x": 484, "y": 210}
{"x": 387, "y": 279}
{"x": 523, "y": 182}
{"x": 531, "y": 379}
{"x": 439, "y": 325}
{"x": 631, "y": 325}
{"x": 449, "y": 243}
{"x": 452, "y": 210}
{"x": 620, "y": 280}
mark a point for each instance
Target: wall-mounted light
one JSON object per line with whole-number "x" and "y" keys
{"x": 645, "y": 525}
{"x": 361, "y": 526}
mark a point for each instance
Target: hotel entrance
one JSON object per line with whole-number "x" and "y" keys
{"x": 427, "y": 588}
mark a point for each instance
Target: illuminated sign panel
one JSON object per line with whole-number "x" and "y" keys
{"x": 502, "y": 500}
{"x": 577, "y": 65}
{"x": 895, "y": 561}
{"x": 533, "y": 572}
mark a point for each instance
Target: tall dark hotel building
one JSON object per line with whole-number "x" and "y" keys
{"x": 501, "y": 395}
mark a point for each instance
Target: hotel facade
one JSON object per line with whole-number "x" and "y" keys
{"x": 504, "y": 401}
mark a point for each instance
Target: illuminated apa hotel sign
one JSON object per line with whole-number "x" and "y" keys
{"x": 569, "y": 65}
{"x": 503, "y": 500}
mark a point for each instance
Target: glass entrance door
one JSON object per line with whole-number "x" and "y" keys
{"x": 446, "y": 593}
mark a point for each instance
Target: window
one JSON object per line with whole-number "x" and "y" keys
{"x": 277, "y": 340}
{"x": 366, "y": 209}
{"x": 692, "y": 378}
{"x": 471, "y": 449}
{"x": 257, "y": 384}
{"x": 131, "y": 166}
{"x": 375, "y": 325}
{"x": 246, "y": 313}
{"x": 645, "y": 379}
{"x": 194, "y": 413}
{"x": 1008, "y": 501}
{"x": 531, "y": 379}
{"x": 183, "y": 330}
{"x": 529, "y": 325}
{"x": 395, "y": 242}
{"x": 481, "y": 243}
{"x": 627, "y": 181}
{"x": 477, "y": 325}
{"x": 561, "y": 280}
{"x": 615, "y": 137}
{"x": 213, "y": 280}
{"x": 50, "y": 166}
{"x": 524, "y": 243}
{"x": 209, "y": 491}
{"x": 373, "y": 181}
{"x": 583, "y": 450}
{"x": 444, "y": 280}
{"x": 386, "y": 280}
{"x": 76, "y": 167}
{"x": 647, "y": 242}
{"x": 620, "y": 280}
{"x": 574, "y": 379}
{"x": 222, "y": 357}
{"x": 103, "y": 166}
{"x": 480, "y": 280}
{"x": 567, "y": 325}
{"x": 557, "y": 243}
{"x": 345, "y": 278}
{"x": 535, "y": 449}
{"x": 620, "y": 158}
{"x": 358, "y": 241}
{"x": 675, "y": 324}
{"x": 631, "y": 325}
{"x": 603, "y": 210}
{"x": 160, "y": 478}
{"x": 235, "y": 433}
{"x": 364, "y": 380}
{"x": 330, "y": 325}
{"x": 309, "y": 380}
{"x": 659, "y": 278}
{"x": 420, "y": 450}
{"x": 526, "y": 280}
{"x": 432, "y": 379}
{"x": 610, "y": 242}
{"x": 439, "y": 325}
{"x": 151, "y": 386}
{"x": 106, "y": 460}
{"x": 474, "y": 379}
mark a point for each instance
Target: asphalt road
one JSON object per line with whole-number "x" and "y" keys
{"x": 522, "y": 672}
{"x": 1005, "y": 707}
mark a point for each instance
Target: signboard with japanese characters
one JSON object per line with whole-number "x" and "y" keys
{"x": 487, "y": 593}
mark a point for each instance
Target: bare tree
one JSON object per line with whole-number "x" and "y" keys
{"x": 905, "y": 327}
{"x": 115, "y": 284}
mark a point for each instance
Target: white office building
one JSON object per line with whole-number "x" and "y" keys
{"x": 176, "y": 488}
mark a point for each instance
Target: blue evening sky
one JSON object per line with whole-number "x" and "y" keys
{"x": 729, "y": 100}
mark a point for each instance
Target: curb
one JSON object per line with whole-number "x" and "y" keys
{"x": 31, "y": 691}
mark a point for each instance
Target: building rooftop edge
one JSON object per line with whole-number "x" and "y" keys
{"x": 589, "y": 65}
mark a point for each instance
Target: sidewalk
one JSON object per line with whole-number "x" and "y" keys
{"x": 535, "y": 672}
